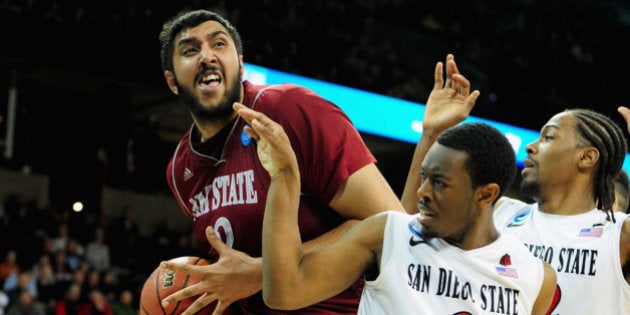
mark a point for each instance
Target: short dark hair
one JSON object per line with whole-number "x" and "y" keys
{"x": 491, "y": 158}
{"x": 185, "y": 20}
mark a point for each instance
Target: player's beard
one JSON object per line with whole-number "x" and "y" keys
{"x": 530, "y": 189}
{"x": 222, "y": 111}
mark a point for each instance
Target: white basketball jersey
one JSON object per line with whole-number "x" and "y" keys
{"x": 430, "y": 276}
{"x": 583, "y": 249}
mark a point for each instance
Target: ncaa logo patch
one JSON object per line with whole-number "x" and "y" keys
{"x": 245, "y": 138}
{"x": 520, "y": 217}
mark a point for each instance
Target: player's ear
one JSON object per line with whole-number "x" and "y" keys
{"x": 170, "y": 80}
{"x": 485, "y": 195}
{"x": 588, "y": 157}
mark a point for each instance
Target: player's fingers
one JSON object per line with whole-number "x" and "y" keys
{"x": 451, "y": 66}
{"x": 438, "y": 76}
{"x": 183, "y": 268}
{"x": 471, "y": 100}
{"x": 247, "y": 113}
{"x": 461, "y": 84}
{"x": 182, "y": 294}
{"x": 220, "y": 308}
{"x": 264, "y": 130}
{"x": 198, "y": 304}
{"x": 238, "y": 107}
{"x": 215, "y": 241}
{"x": 270, "y": 131}
{"x": 450, "y": 57}
{"x": 252, "y": 133}
{"x": 265, "y": 126}
{"x": 625, "y": 113}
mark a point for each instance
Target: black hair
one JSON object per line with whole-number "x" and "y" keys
{"x": 184, "y": 21}
{"x": 604, "y": 134}
{"x": 491, "y": 158}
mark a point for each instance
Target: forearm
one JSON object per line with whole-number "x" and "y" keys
{"x": 282, "y": 244}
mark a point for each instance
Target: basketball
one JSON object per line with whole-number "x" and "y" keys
{"x": 163, "y": 282}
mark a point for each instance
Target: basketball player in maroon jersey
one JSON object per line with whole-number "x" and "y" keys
{"x": 219, "y": 183}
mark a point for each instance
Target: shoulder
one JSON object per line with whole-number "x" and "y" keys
{"x": 379, "y": 221}
{"x": 396, "y": 216}
{"x": 286, "y": 97}
{"x": 284, "y": 91}
{"x": 511, "y": 211}
{"x": 625, "y": 241}
{"x": 184, "y": 142}
{"x": 509, "y": 203}
{"x": 381, "y": 218}
{"x": 371, "y": 231}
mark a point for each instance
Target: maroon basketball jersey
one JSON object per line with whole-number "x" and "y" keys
{"x": 221, "y": 182}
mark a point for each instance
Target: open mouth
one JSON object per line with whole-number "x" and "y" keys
{"x": 210, "y": 80}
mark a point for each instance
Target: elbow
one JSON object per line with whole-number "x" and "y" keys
{"x": 284, "y": 302}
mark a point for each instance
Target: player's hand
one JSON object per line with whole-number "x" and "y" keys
{"x": 625, "y": 113}
{"x": 450, "y": 101}
{"x": 274, "y": 148}
{"x": 234, "y": 276}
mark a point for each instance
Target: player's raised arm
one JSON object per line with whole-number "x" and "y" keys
{"x": 292, "y": 278}
{"x": 449, "y": 103}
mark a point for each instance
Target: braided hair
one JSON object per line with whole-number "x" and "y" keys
{"x": 604, "y": 134}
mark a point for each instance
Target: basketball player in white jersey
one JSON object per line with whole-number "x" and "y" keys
{"x": 570, "y": 172}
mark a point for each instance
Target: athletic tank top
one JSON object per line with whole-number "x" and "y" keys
{"x": 583, "y": 249}
{"x": 430, "y": 276}
{"x": 221, "y": 182}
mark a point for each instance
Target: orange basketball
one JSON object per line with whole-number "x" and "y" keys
{"x": 163, "y": 282}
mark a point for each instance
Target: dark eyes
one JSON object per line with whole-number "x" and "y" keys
{"x": 435, "y": 182}
{"x": 191, "y": 50}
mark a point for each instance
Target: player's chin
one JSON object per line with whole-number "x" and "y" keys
{"x": 428, "y": 223}
{"x": 527, "y": 171}
{"x": 428, "y": 231}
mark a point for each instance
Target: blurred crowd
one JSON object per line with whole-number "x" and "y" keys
{"x": 63, "y": 264}
{"x": 522, "y": 55}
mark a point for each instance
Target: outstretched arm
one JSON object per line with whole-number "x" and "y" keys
{"x": 624, "y": 244}
{"x": 449, "y": 103}
{"x": 293, "y": 278}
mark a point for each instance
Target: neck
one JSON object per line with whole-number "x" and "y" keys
{"x": 482, "y": 233}
{"x": 207, "y": 130}
{"x": 563, "y": 200}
